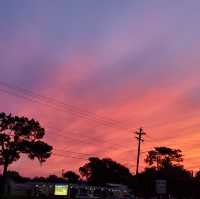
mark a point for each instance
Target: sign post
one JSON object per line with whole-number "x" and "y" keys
{"x": 161, "y": 187}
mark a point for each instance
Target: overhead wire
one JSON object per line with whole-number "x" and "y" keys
{"x": 83, "y": 140}
{"x": 68, "y": 156}
{"x": 70, "y": 108}
{"x": 29, "y": 95}
{"x": 79, "y": 140}
{"x": 72, "y": 152}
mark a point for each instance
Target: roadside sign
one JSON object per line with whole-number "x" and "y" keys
{"x": 161, "y": 186}
{"x": 61, "y": 190}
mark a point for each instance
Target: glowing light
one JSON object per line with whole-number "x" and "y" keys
{"x": 61, "y": 190}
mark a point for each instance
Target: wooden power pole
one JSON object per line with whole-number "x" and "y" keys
{"x": 139, "y": 137}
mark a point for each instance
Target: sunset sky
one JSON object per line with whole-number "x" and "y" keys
{"x": 93, "y": 72}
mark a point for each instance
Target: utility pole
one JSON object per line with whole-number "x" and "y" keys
{"x": 140, "y": 139}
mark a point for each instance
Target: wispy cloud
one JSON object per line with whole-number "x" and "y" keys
{"x": 114, "y": 68}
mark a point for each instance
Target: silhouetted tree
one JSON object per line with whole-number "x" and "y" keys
{"x": 163, "y": 157}
{"x": 14, "y": 175}
{"x": 20, "y": 135}
{"x": 196, "y": 186}
{"x": 54, "y": 179}
{"x": 71, "y": 176}
{"x": 197, "y": 176}
{"x": 101, "y": 171}
{"x": 39, "y": 179}
{"x": 165, "y": 164}
{"x": 180, "y": 183}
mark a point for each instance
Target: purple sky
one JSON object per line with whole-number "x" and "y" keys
{"x": 134, "y": 62}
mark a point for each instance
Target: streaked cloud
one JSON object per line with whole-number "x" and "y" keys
{"x": 112, "y": 68}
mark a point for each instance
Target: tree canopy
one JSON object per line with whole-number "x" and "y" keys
{"x": 101, "y": 171}
{"x": 164, "y": 157}
{"x": 71, "y": 176}
{"x": 20, "y": 135}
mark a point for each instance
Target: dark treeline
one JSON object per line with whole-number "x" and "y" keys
{"x": 20, "y": 135}
{"x": 180, "y": 182}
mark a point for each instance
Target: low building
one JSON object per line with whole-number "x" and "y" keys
{"x": 65, "y": 190}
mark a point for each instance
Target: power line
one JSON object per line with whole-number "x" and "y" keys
{"x": 31, "y": 99}
{"x": 83, "y": 158}
{"x": 64, "y": 136}
{"x": 30, "y": 96}
{"x": 72, "y": 152}
{"x": 36, "y": 98}
{"x": 67, "y": 138}
{"x": 51, "y": 101}
{"x": 68, "y": 156}
{"x": 83, "y": 140}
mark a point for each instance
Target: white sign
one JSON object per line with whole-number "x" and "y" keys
{"x": 161, "y": 186}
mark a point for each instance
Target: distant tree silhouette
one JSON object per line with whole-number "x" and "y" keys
{"x": 101, "y": 171}
{"x": 197, "y": 176}
{"x": 39, "y": 179}
{"x": 71, "y": 176}
{"x": 196, "y": 185}
{"x": 14, "y": 175}
{"x": 20, "y": 135}
{"x": 54, "y": 179}
{"x": 162, "y": 157}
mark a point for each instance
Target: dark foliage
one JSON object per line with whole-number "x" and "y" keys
{"x": 54, "y": 179}
{"x": 20, "y": 135}
{"x": 162, "y": 157}
{"x": 71, "y": 177}
{"x": 101, "y": 171}
{"x": 164, "y": 164}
